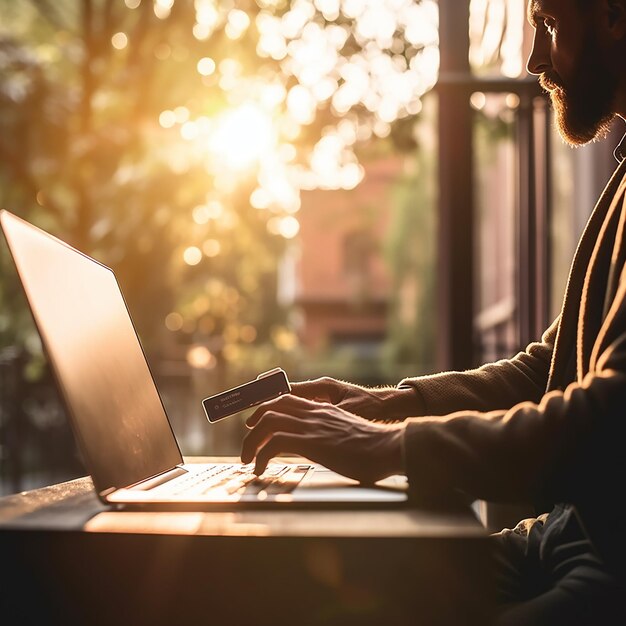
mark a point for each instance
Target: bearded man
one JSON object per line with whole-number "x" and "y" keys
{"x": 547, "y": 426}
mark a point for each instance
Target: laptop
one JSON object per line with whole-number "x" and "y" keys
{"x": 116, "y": 413}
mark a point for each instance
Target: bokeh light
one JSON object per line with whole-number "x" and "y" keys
{"x": 192, "y": 255}
{"x": 211, "y": 247}
{"x": 174, "y": 321}
{"x": 237, "y": 23}
{"x": 199, "y": 357}
{"x": 119, "y": 41}
{"x": 175, "y": 139}
{"x": 206, "y": 66}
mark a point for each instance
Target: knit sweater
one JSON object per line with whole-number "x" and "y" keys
{"x": 549, "y": 424}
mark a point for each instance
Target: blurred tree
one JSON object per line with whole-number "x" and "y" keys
{"x": 411, "y": 255}
{"x": 83, "y": 154}
{"x": 171, "y": 139}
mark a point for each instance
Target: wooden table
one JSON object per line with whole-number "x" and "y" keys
{"x": 67, "y": 559}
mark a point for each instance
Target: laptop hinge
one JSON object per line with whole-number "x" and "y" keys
{"x": 159, "y": 479}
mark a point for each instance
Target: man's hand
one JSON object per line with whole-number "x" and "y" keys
{"x": 381, "y": 403}
{"x": 326, "y": 434}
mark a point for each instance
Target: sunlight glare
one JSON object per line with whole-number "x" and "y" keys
{"x": 496, "y": 33}
{"x": 282, "y": 195}
{"x": 367, "y": 62}
{"x": 301, "y": 104}
{"x": 243, "y": 136}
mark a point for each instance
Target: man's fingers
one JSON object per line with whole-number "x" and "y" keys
{"x": 269, "y": 423}
{"x": 284, "y": 404}
{"x": 318, "y": 389}
{"x": 262, "y": 409}
{"x": 280, "y": 442}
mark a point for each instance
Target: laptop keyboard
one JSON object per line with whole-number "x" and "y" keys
{"x": 233, "y": 479}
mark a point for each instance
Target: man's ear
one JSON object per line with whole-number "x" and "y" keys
{"x": 617, "y": 18}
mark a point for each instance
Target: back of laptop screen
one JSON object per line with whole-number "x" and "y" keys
{"x": 116, "y": 412}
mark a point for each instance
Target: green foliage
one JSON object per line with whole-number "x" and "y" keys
{"x": 83, "y": 155}
{"x": 411, "y": 256}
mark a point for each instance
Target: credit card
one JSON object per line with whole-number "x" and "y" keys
{"x": 267, "y": 386}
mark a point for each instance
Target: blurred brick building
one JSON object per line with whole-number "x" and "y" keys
{"x": 342, "y": 284}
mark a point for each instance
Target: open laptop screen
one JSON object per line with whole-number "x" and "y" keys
{"x": 116, "y": 412}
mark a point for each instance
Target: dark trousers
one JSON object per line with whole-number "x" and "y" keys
{"x": 548, "y": 574}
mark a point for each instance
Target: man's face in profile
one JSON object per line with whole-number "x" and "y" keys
{"x": 572, "y": 64}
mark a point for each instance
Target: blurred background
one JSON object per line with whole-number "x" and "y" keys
{"x": 367, "y": 189}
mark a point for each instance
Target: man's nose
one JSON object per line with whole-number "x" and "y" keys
{"x": 539, "y": 60}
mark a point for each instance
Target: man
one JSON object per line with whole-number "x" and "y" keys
{"x": 546, "y": 426}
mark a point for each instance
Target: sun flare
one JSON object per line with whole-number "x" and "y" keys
{"x": 243, "y": 136}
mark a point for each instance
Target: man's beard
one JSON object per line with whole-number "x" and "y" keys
{"x": 584, "y": 106}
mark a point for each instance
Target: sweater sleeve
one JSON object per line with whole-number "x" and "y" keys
{"x": 565, "y": 448}
{"x": 499, "y": 385}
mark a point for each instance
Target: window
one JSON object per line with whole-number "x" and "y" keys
{"x": 510, "y": 204}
